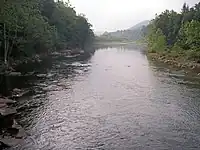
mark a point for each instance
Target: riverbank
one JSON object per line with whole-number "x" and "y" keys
{"x": 11, "y": 68}
{"x": 11, "y": 133}
{"x": 179, "y": 61}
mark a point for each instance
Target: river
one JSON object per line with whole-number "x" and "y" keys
{"x": 116, "y": 100}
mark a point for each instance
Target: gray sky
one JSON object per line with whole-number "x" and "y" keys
{"x": 111, "y": 15}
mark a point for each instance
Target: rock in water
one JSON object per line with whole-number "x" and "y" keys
{"x": 21, "y": 132}
{"x": 2, "y": 105}
{"x": 9, "y": 141}
{"x": 7, "y": 111}
{"x": 6, "y": 101}
{"x": 15, "y": 74}
{"x": 41, "y": 75}
{"x": 19, "y": 93}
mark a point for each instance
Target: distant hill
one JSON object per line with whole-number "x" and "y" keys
{"x": 98, "y": 33}
{"x": 140, "y": 25}
{"x": 132, "y": 34}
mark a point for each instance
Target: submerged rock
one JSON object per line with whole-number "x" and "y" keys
{"x": 19, "y": 93}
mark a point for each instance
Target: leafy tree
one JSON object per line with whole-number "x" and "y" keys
{"x": 28, "y": 27}
{"x": 190, "y": 35}
{"x": 176, "y": 30}
{"x": 156, "y": 39}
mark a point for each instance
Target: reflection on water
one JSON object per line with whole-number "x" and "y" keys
{"x": 115, "y": 100}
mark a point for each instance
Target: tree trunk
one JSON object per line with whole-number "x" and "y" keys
{"x": 12, "y": 43}
{"x": 5, "y": 45}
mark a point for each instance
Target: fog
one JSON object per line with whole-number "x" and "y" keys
{"x": 111, "y": 15}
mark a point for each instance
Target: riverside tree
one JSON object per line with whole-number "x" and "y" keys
{"x": 180, "y": 31}
{"x": 29, "y": 27}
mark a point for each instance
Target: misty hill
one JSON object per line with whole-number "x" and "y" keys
{"x": 140, "y": 25}
{"x": 132, "y": 34}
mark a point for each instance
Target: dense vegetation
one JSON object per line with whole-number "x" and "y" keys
{"x": 29, "y": 27}
{"x": 176, "y": 34}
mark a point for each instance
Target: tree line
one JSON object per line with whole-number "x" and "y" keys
{"x": 176, "y": 33}
{"x": 29, "y": 27}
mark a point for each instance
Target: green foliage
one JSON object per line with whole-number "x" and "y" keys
{"x": 28, "y": 27}
{"x": 180, "y": 32}
{"x": 190, "y": 35}
{"x": 156, "y": 40}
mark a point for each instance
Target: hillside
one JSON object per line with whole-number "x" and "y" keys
{"x": 140, "y": 25}
{"x": 132, "y": 34}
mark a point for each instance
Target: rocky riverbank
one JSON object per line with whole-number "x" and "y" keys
{"x": 11, "y": 133}
{"x": 179, "y": 62}
{"x": 10, "y": 69}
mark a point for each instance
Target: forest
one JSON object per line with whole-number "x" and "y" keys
{"x": 30, "y": 27}
{"x": 176, "y": 33}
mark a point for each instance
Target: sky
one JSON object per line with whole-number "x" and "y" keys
{"x": 112, "y": 15}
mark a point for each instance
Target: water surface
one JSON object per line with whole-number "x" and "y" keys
{"x": 116, "y": 100}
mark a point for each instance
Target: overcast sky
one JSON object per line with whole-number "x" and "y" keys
{"x": 111, "y": 15}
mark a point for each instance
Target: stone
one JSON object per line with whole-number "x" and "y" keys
{"x": 6, "y": 101}
{"x": 2, "y": 146}
{"x": 16, "y": 90}
{"x": 2, "y": 105}
{"x": 18, "y": 93}
{"x": 21, "y": 132}
{"x": 9, "y": 141}
{"x": 12, "y": 131}
{"x": 12, "y": 135}
{"x": 15, "y": 74}
{"x": 7, "y": 111}
{"x": 6, "y": 122}
{"x": 41, "y": 75}
{"x": 30, "y": 73}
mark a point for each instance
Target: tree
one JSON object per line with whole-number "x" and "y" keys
{"x": 190, "y": 35}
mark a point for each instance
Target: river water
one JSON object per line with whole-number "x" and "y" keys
{"x": 116, "y": 100}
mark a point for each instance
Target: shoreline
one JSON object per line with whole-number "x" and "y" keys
{"x": 11, "y": 70}
{"x": 179, "y": 62}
